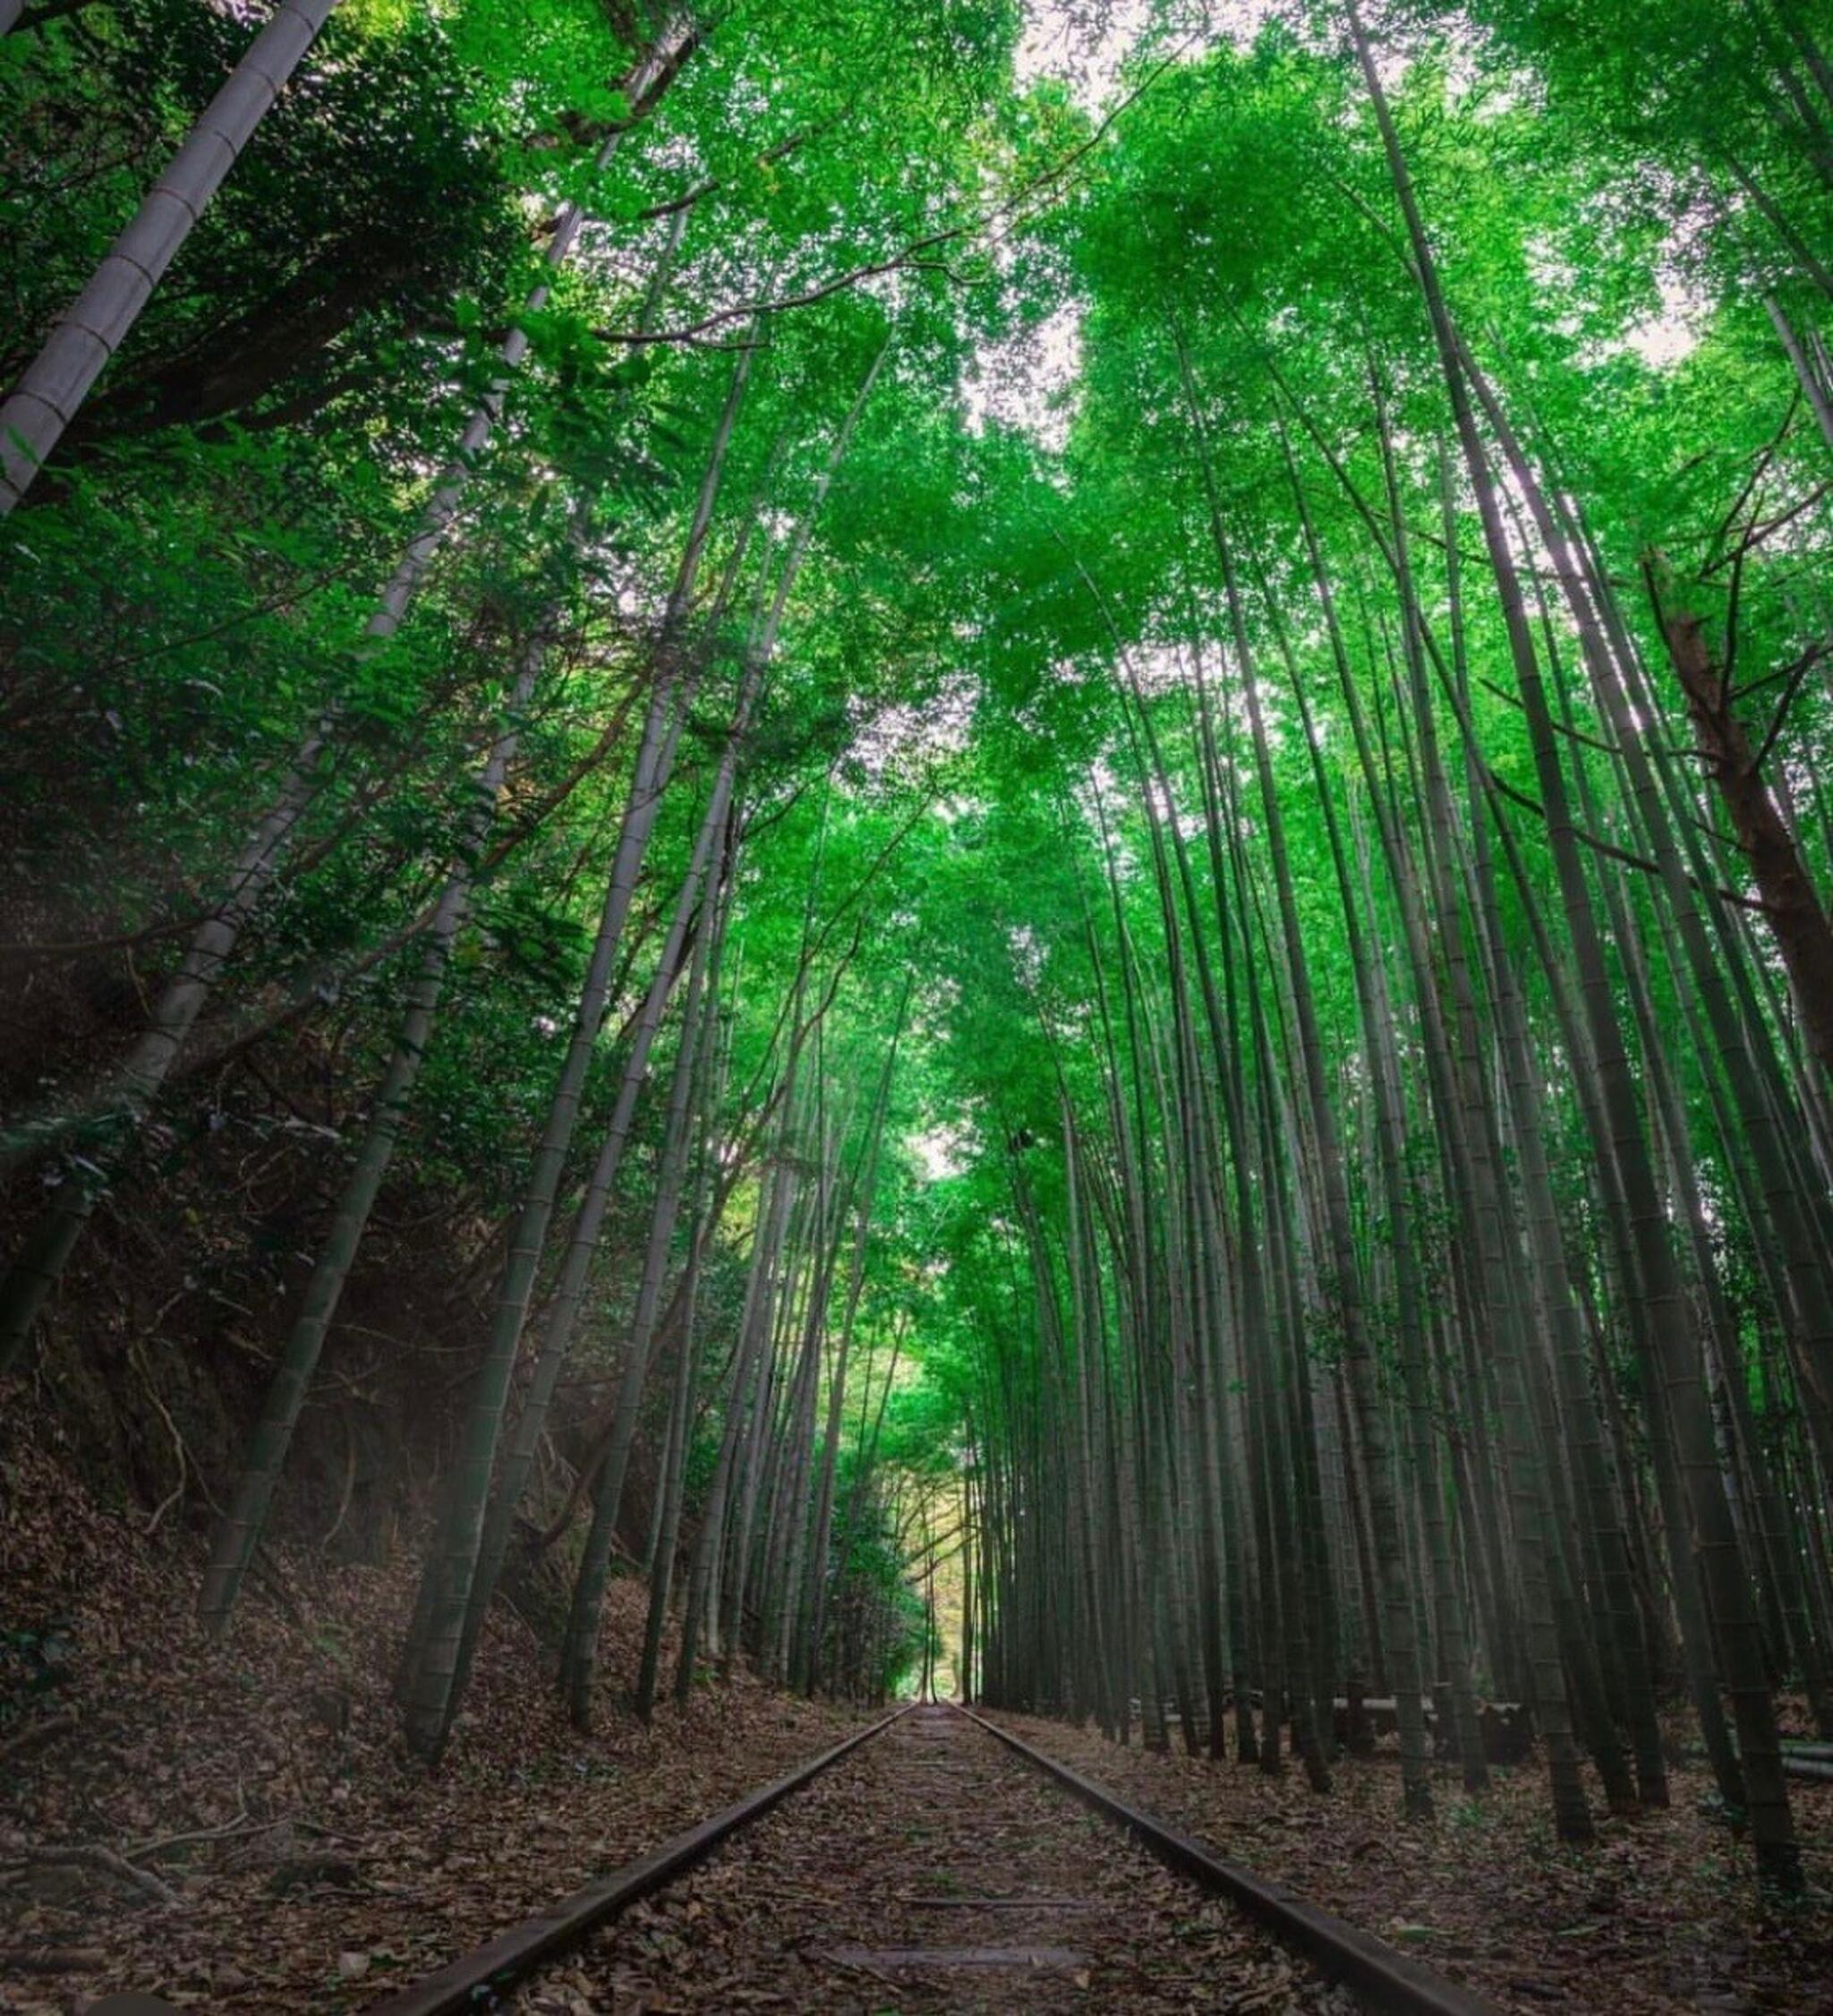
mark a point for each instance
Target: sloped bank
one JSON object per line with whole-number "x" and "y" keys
{"x": 237, "y": 1827}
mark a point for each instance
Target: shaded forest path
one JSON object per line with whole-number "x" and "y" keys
{"x": 930, "y": 1870}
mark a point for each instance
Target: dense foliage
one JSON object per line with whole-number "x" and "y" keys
{"x": 1028, "y": 853}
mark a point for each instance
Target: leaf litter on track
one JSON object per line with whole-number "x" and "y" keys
{"x": 931, "y": 1871}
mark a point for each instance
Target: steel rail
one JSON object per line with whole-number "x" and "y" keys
{"x": 1386, "y": 1978}
{"x": 467, "y": 1983}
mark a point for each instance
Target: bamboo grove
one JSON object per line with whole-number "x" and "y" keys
{"x": 1068, "y": 835}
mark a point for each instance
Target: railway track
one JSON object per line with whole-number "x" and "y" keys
{"x": 932, "y": 1861}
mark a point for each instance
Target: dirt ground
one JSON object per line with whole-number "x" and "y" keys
{"x": 1663, "y": 1914}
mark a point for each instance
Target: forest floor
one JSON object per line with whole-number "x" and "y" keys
{"x": 1662, "y": 1915}
{"x": 247, "y": 1834}
{"x": 307, "y": 1862}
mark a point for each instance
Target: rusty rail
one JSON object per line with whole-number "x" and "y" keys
{"x": 465, "y": 1982}
{"x": 1387, "y": 1979}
